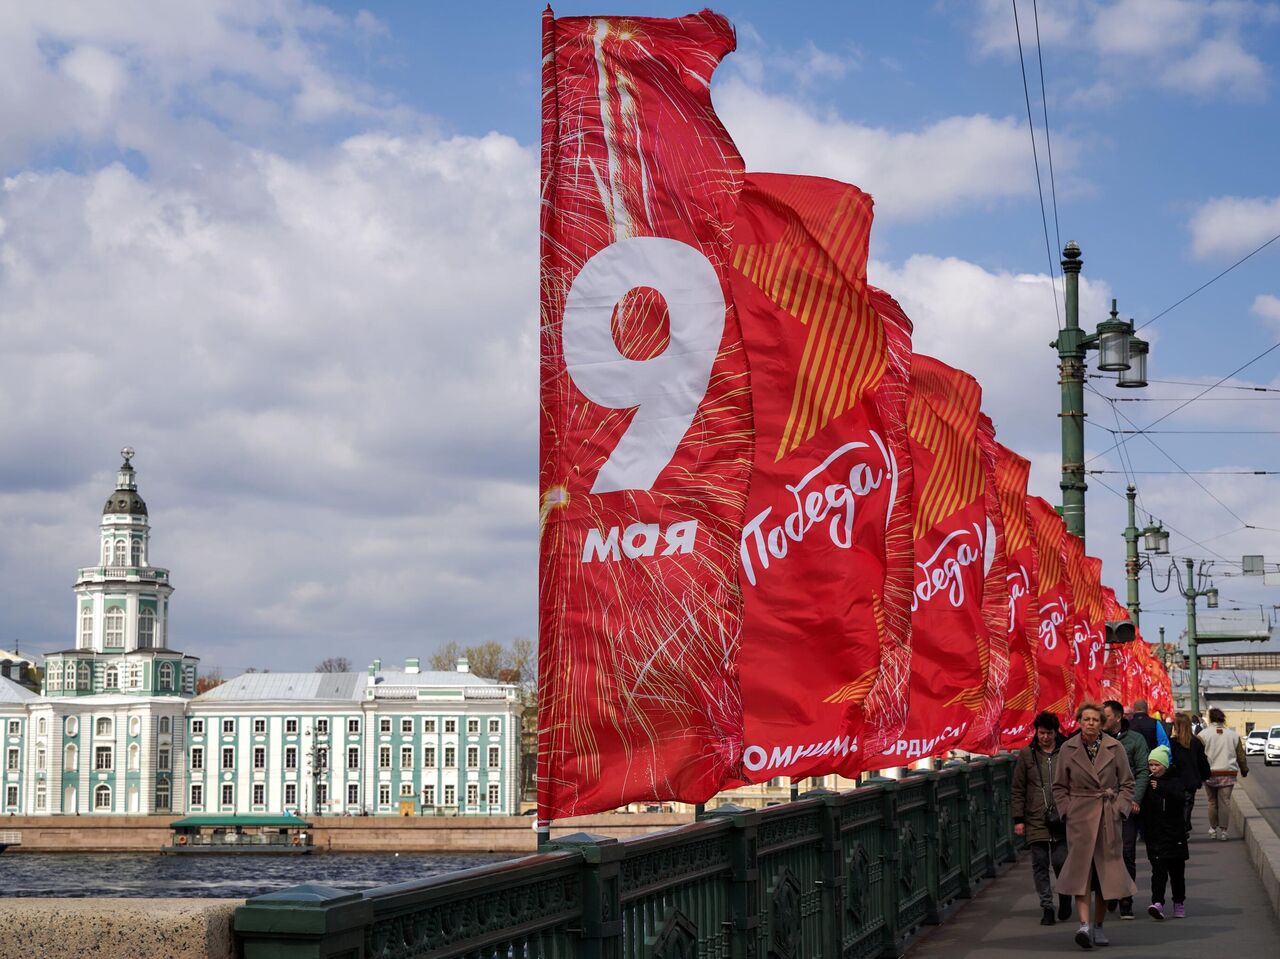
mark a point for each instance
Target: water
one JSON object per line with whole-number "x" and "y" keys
{"x": 67, "y": 875}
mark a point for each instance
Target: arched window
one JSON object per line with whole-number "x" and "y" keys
{"x": 122, "y": 552}
{"x": 86, "y": 628}
{"x": 106, "y": 552}
{"x": 69, "y": 671}
{"x": 146, "y": 629}
{"x": 135, "y": 552}
{"x": 102, "y": 797}
{"x": 135, "y": 675}
{"x": 73, "y": 725}
{"x": 164, "y": 725}
{"x": 113, "y": 678}
{"x": 82, "y": 676}
{"x": 71, "y": 757}
{"x": 135, "y": 757}
{"x": 135, "y": 725}
{"x": 102, "y": 727}
{"x": 166, "y": 675}
{"x": 41, "y": 726}
{"x": 113, "y": 627}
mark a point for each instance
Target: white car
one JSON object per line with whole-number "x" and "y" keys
{"x": 1256, "y": 743}
{"x": 1272, "y": 755}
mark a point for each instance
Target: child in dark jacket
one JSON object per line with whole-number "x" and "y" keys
{"x": 1162, "y": 828}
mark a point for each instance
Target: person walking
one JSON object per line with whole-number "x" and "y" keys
{"x": 1227, "y": 761}
{"x": 1093, "y": 790}
{"x": 1036, "y": 818}
{"x": 1189, "y": 758}
{"x": 1149, "y": 729}
{"x": 1135, "y": 748}
{"x": 1163, "y": 833}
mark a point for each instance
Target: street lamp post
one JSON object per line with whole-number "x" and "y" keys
{"x": 1193, "y": 661}
{"x": 1119, "y": 351}
{"x": 1155, "y": 539}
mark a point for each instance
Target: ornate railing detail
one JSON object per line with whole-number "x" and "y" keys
{"x": 833, "y": 875}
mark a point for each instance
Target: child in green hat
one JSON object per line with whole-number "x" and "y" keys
{"x": 1164, "y": 832}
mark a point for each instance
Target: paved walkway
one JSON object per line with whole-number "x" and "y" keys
{"x": 1228, "y": 917}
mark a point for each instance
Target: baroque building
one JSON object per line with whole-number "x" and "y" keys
{"x": 118, "y": 727}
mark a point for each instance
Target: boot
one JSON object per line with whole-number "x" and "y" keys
{"x": 1047, "y": 919}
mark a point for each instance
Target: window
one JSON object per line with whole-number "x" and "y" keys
{"x": 322, "y": 793}
{"x": 102, "y": 727}
{"x": 353, "y": 757}
{"x": 112, "y": 680}
{"x": 197, "y": 727}
{"x": 322, "y": 759}
{"x": 11, "y": 796}
{"x": 147, "y": 629}
{"x": 228, "y": 757}
{"x": 42, "y": 798}
{"x": 162, "y": 759}
{"x": 290, "y": 725}
{"x": 42, "y": 726}
{"x": 473, "y": 726}
{"x": 14, "y": 761}
{"x": 40, "y": 758}
{"x": 164, "y": 725}
{"x": 228, "y": 727}
{"x": 322, "y": 727}
{"x": 473, "y": 794}
{"x": 106, "y": 552}
{"x": 384, "y": 757}
{"x": 53, "y": 677}
{"x": 162, "y": 795}
{"x": 15, "y": 727}
{"x": 228, "y": 794}
{"x": 73, "y": 726}
{"x": 102, "y": 797}
{"x": 428, "y": 725}
{"x": 406, "y": 757}
{"x": 197, "y": 758}
{"x": 259, "y": 726}
{"x": 259, "y": 757}
{"x": 451, "y": 795}
{"x": 113, "y": 627}
{"x": 450, "y": 757}
{"x": 291, "y": 757}
{"x": 82, "y": 676}
{"x": 291, "y": 794}
{"x": 69, "y": 669}
{"x": 406, "y": 790}
{"x": 428, "y": 756}
{"x": 86, "y": 628}
{"x": 429, "y": 795}
{"x": 71, "y": 758}
{"x": 166, "y": 675}
{"x": 384, "y": 794}
{"x": 473, "y": 757}
{"x": 353, "y": 794}
{"x": 197, "y": 795}
{"x": 493, "y": 757}
{"x": 122, "y": 551}
{"x": 102, "y": 757}
{"x": 384, "y": 725}
{"x": 135, "y": 725}
{"x": 406, "y": 727}
{"x": 259, "y": 794}
{"x": 494, "y": 794}
{"x": 450, "y": 725}
{"x": 353, "y": 725}
{"x": 495, "y": 727}
{"x": 135, "y": 552}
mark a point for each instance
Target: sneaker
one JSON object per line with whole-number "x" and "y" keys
{"x": 1126, "y": 908}
{"x": 1222, "y": 834}
{"x": 1099, "y": 937}
{"x": 1064, "y": 908}
{"x": 1084, "y": 936}
{"x": 1213, "y": 832}
{"x": 1047, "y": 919}
{"x": 1156, "y": 910}
{"x": 1179, "y": 910}
{"x": 1111, "y": 905}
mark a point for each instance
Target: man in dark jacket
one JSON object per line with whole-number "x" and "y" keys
{"x": 1144, "y": 725}
{"x": 1135, "y": 747}
{"x": 1032, "y": 801}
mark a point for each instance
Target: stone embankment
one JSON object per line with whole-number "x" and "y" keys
{"x": 107, "y": 928}
{"x": 438, "y": 834}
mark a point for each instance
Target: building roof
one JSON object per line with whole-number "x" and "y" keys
{"x": 15, "y": 657}
{"x": 432, "y": 677}
{"x": 246, "y": 819}
{"x": 11, "y": 692}
{"x": 343, "y": 687}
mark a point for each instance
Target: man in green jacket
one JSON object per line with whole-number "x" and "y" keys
{"x": 1135, "y": 747}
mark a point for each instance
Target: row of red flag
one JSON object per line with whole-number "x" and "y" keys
{"x": 774, "y": 540}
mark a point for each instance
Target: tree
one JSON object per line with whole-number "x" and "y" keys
{"x": 209, "y": 680}
{"x": 514, "y": 663}
{"x": 334, "y": 664}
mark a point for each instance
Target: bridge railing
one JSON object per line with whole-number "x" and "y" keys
{"x": 852, "y": 874}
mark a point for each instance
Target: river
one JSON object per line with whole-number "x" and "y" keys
{"x": 68, "y": 875}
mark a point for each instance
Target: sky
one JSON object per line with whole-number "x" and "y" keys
{"x": 287, "y": 251}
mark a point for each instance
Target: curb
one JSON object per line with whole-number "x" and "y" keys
{"x": 1261, "y": 842}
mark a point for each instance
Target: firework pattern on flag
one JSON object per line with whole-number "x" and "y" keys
{"x": 1054, "y": 659}
{"x": 1022, "y": 577}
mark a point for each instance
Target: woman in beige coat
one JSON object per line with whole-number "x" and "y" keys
{"x": 1093, "y": 790}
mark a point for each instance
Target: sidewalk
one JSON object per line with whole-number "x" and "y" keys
{"x": 1228, "y": 916}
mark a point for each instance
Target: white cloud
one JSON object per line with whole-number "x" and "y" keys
{"x": 957, "y": 161}
{"x": 1267, "y": 306}
{"x": 1218, "y": 64}
{"x": 1145, "y": 28}
{"x": 1230, "y": 225}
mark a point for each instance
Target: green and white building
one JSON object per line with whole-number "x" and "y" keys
{"x": 118, "y": 727}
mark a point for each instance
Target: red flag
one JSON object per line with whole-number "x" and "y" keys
{"x": 1115, "y": 657}
{"x": 1022, "y": 578}
{"x": 1053, "y": 652}
{"x": 949, "y": 638}
{"x": 984, "y": 734}
{"x": 646, "y": 420}
{"x": 826, "y": 545}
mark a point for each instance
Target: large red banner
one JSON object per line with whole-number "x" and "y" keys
{"x": 984, "y": 734}
{"x": 1054, "y": 660}
{"x": 950, "y": 645}
{"x": 826, "y": 544}
{"x": 1115, "y": 656}
{"x": 1023, "y": 608}
{"x": 645, "y": 421}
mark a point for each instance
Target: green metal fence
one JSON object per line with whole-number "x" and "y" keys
{"x": 846, "y": 875}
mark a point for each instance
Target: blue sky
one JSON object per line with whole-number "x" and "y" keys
{"x": 287, "y": 251}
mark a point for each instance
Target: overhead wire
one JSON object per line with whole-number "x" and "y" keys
{"x": 1111, "y": 489}
{"x": 1202, "y": 286}
{"x": 1048, "y": 141}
